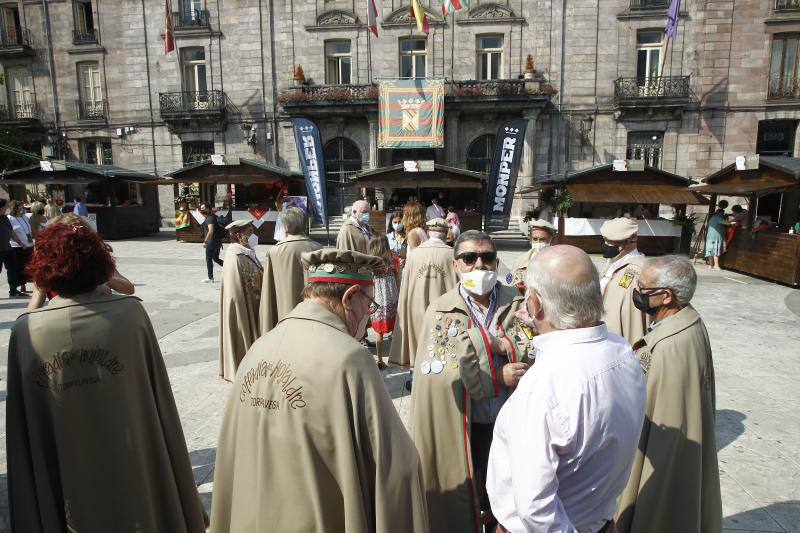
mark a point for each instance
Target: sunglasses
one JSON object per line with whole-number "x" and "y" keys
{"x": 470, "y": 258}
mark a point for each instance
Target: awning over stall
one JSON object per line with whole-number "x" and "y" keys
{"x": 442, "y": 177}
{"x": 244, "y": 171}
{"x": 775, "y": 174}
{"x": 68, "y": 173}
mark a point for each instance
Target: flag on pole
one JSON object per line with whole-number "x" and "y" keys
{"x": 671, "y": 29}
{"x": 448, "y": 6}
{"x": 372, "y": 17}
{"x": 169, "y": 34}
{"x": 422, "y": 19}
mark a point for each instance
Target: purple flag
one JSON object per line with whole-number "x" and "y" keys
{"x": 671, "y": 29}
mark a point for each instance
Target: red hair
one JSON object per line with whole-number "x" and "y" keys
{"x": 70, "y": 259}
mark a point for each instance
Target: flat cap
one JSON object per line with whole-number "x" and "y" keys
{"x": 238, "y": 225}
{"x": 619, "y": 229}
{"x": 542, "y": 224}
{"x": 439, "y": 224}
{"x": 340, "y": 266}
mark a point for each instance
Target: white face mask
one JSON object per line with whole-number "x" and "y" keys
{"x": 537, "y": 246}
{"x": 479, "y": 282}
{"x": 252, "y": 241}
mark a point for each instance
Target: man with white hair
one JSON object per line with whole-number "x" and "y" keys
{"x": 541, "y": 234}
{"x": 355, "y": 232}
{"x": 674, "y": 484}
{"x": 563, "y": 445}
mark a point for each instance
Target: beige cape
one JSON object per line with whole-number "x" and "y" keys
{"x": 674, "y": 484}
{"x": 239, "y": 298}
{"x": 94, "y": 441}
{"x": 351, "y": 237}
{"x": 284, "y": 279}
{"x": 441, "y": 403}
{"x": 311, "y": 441}
{"x": 428, "y": 274}
{"x": 620, "y": 315}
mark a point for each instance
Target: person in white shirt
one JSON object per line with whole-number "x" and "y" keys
{"x": 434, "y": 210}
{"x": 564, "y": 442}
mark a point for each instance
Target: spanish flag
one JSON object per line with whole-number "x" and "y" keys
{"x": 169, "y": 34}
{"x": 422, "y": 19}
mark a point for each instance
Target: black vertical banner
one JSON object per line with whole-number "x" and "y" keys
{"x": 312, "y": 159}
{"x": 503, "y": 176}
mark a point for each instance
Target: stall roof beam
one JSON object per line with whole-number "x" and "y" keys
{"x": 442, "y": 177}
{"x": 74, "y": 173}
{"x": 247, "y": 171}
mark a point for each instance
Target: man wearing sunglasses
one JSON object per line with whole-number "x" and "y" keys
{"x": 469, "y": 357}
{"x": 310, "y": 439}
{"x": 674, "y": 485}
{"x": 620, "y": 278}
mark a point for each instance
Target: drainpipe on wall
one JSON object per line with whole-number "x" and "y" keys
{"x": 149, "y": 91}
{"x": 275, "y": 133}
{"x": 54, "y": 94}
{"x": 561, "y": 89}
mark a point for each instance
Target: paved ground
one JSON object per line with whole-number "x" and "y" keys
{"x": 754, "y": 332}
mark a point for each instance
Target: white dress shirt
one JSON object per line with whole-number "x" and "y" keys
{"x": 434, "y": 211}
{"x": 565, "y": 441}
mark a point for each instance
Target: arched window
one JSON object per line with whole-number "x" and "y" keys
{"x": 479, "y": 155}
{"x": 342, "y": 159}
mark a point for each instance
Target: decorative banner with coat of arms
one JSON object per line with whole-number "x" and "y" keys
{"x": 411, "y": 114}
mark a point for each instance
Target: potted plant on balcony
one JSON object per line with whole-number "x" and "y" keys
{"x": 299, "y": 75}
{"x": 529, "y": 71}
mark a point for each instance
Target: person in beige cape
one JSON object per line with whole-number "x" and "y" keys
{"x": 310, "y": 440}
{"x": 674, "y": 484}
{"x": 428, "y": 274}
{"x": 239, "y": 298}
{"x": 94, "y": 440}
{"x": 541, "y": 235}
{"x": 620, "y": 278}
{"x": 355, "y": 231}
{"x": 284, "y": 277}
{"x": 470, "y": 353}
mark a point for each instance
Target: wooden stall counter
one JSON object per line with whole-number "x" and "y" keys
{"x": 767, "y": 254}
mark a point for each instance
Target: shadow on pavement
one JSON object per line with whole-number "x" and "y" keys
{"x": 729, "y": 427}
{"x": 786, "y": 515}
{"x": 203, "y": 470}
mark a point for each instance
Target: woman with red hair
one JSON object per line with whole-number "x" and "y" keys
{"x": 94, "y": 441}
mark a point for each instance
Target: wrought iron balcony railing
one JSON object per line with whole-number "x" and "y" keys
{"x": 781, "y": 88}
{"x": 488, "y": 88}
{"x": 15, "y": 38}
{"x": 92, "y": 109}
{"x": 787, "y": 5}
{"x": 84, "y": 36}
{"x": 661, "y": 87}
{"x": 192, "y": 103}
{"x": 190, "y": 20}
{"x": 648, "y": 4}
{"x": 19, "y": 112}
{"x": 330, "y": 93}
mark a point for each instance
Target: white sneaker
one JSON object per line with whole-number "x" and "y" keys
{"x": 207, "y": 281}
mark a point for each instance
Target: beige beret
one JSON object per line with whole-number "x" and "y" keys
{"x": 438, "y": 224}
{"x": 238, "y": 225}
{"x": 541, "y": 224}
{"x": 619, "y": 229}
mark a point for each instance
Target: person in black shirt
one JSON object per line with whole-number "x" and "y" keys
{"x": 6, "y": 254}
{"x": 212, "y": 242}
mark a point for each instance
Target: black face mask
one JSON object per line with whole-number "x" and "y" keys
{"x": 642, "y": 303}
{"x": 609, "y": 251}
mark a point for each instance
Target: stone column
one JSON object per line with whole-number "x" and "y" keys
{"x": 529, "y": 150}
{"x": 451, "y": 138}
{"x": 372, "y": 118}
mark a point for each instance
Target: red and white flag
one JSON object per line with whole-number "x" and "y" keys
{"x": 448, "y": 6}
{"x": 372, "y": 17}
{"x": 169, "y": 34}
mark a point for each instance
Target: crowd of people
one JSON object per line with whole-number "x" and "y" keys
{"x": 565, "y": 399}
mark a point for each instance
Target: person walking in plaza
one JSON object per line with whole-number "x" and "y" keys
{"x": 541, "y": 234}
{"x": 310, "y": 439}
{"x": 284, "y": 277}
{"x": 454, "y": 222}
{"x": 387, "y": 281}
{"x": 355, "y": 231}
{"x": 674, "y": 484}
{"x": 434, "y": 210}
{"x": 428, "y": 273}
{"x": 620, "y": 277}
{"x": 7, "y": 255}
{"x": 715, "y": 239}
{"x": 414, "y": 223}
{"x": 239, "y": 298}
{"x": 21, "y": 246}
{"x": 564, "y": 443}
{"x": 80, "y": 207}
{"x": 37, "y": 219}
{"x": 94, "y": 440}
{"x": 467, "y": 361}
{"x": 212, "y": 241}
{"x": 396, "y": 233}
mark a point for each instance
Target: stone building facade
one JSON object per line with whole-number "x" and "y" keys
{"x": 89, "y": 80}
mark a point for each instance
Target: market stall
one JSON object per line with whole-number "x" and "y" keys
{"x": 245, "y": 189}
{"x": 768, "y": 245}
{"x": 460, "y": 188}
{"x": 592, "y": 196}
{"x": 122, "y": 203}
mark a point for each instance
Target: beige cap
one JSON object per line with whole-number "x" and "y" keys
{"x": 542, "y": 224}
{"x": 438, "y": 224}
{"x": 619, "y": 229}
{"x": 238, "y": 225}
{"x": 340, "y": 266}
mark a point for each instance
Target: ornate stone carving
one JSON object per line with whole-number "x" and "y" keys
{"x": 337, "y": 18}
{"x": 403, "y": 16}
{"x": 491, "y": 11}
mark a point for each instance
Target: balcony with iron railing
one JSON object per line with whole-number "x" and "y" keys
{"x": 649, "y": 4}
{"x": 15, "y": 41}
{"x": 656, "y": 97}
{"x": 784, "y": 88}
{"x": 191, "y": 20}
{"x": 194, "y": 111}
{"x": 787, "y": 5}
{"x": 94, "y": 110}
{"x": 87, "y": 36}
{"x": 15, "y": 113}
